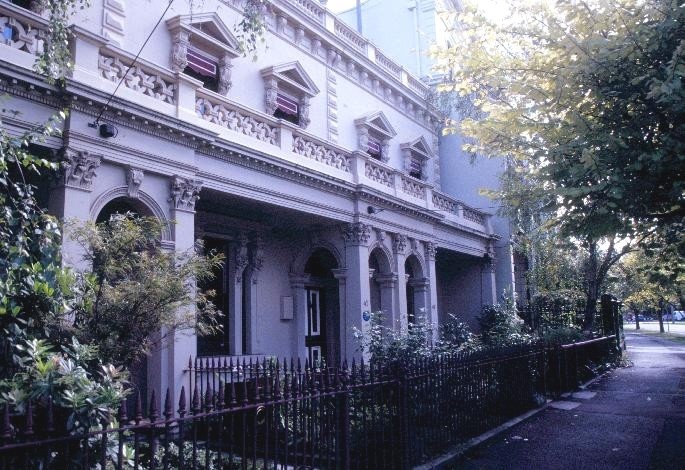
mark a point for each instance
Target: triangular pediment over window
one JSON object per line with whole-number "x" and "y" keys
{"x": 207, "y": 32}
{"x": 377, "y": 122}
{"x": 420, "y": 147}
{"x": 292, "y": 75}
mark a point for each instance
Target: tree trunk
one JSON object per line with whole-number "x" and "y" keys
{"x": 660, "y": 315}
{"x": 591, "y": 288}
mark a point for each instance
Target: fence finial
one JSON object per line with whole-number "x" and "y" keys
{"x": 154, "y": 411}
{"x": 168, "y": 408}
{"x": 182, "y": 402}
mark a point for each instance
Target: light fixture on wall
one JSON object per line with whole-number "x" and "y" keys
{"x": 373, "y": 210}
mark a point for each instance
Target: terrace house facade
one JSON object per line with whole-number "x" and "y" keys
{"x": 314, "y": 169}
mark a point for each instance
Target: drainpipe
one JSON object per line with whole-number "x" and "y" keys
{"x": 359, "y": 16}
{"x": 414, "y": 5}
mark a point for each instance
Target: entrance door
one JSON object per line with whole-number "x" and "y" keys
{"x": 315, "y": 336}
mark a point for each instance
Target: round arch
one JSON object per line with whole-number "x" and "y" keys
{"x": 146, "y": 202}
{"x": 300, "y": 262}
{"x": 383, "y": 257}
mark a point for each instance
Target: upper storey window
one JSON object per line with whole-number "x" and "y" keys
{"x": 203, "y": 48}
{"x": 373, "y": 134}
{"x": 287, "y": 91}
{"x": 416, "y": 155}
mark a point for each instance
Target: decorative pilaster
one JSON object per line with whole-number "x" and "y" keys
{"x": 385, "y": 150}
{"x": 179, "y": 51}
{"x": 79, "y": 169}
{"x": 270, "y": 95}
{"x": 134, "y": 178}
{"x": 257, "y": 257}
{"x": 362, "y": 139}
{"x": 304, "y": 112}
{"x": 225, "y": 67}
{"x": 356, "y": 233}
{"x": 242, "y": 258}
{"x": 184, "y": 193}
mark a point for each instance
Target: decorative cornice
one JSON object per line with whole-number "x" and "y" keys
{"x": 356, "y": 233}
{"x": 79, "y": 169}
{"x": 184, "y": 193}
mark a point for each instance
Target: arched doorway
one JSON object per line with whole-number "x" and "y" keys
{"x": 322, "y": 325}
{"x": 415, "y": 290}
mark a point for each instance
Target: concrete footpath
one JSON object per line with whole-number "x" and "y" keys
{"x": 632, "y": 418}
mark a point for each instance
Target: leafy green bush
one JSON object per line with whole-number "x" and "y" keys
{"x": 500, "y": 324}
{"x": 562, "y": 335}
{"x": 137, "y": 289}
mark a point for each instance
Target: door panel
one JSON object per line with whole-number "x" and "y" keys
{"x": 315, "y": 337}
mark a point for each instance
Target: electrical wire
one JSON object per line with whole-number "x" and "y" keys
{"x": 121, "y": 80}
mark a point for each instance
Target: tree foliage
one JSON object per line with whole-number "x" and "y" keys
{"x": 136, "y": 289}
{"x": 587, "y": 96}
{"x": 585, "y": 100}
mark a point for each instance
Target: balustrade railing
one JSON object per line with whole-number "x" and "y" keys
{"x": 236, "y": 118}
{"x": 22, "y": 30}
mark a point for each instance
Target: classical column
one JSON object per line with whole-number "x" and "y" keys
{"x": 388, "y": 284}
{"x": 488, "y": 294}
{"x": 166, "y": 370}
{"x": 432, "y": 293}
{"x": 72, "y": 198}
{"x": 358, "y": 301}
{"x": 256, "y": 262}
{"x": 399, "y": 247}
{"x": 341, "y": 275}
{"x": 298, "y": 284}
{"x": 237, "y": 266}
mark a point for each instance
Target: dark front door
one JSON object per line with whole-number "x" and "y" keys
{"x": 315, "y": 334}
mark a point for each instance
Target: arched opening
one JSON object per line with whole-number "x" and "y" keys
{"x": 415, "y": 290}
{"x": 123, "y": 205}
{"x": 322, "y": 325}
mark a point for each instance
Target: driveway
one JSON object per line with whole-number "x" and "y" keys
{"x": 632, "y": 418}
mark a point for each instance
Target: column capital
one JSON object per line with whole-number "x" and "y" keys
{"x": 356, "y": 234}
{"x": 430, "y": 251}
{"x": 184, "y": 193}
{"x": 79, "y": 169}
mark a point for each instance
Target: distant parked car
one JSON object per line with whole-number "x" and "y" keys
{"x": 667, "y": 317}
{"x": 679, "y": 315}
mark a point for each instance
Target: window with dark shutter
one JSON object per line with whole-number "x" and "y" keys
{"x": 415, "y": 167}
{"x": 374, "y": 149}
{"x": 203, "y": 68}
{"x": 287, "y": 109}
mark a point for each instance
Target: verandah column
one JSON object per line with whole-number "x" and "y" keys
{"x": 358, "y": 300}
{"x": 432, "y": 301}
{"x": 399, "y": 247}
{"x": 179, "y": 345}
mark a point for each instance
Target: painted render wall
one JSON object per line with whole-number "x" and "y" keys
{"x": 182, "y": 156}
{"x": 420, "y": 27}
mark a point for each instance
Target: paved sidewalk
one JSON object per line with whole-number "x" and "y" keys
{"x": 633, "y": 418}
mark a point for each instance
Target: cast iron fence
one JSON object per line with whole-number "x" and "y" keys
{"x": 289, "y": 415}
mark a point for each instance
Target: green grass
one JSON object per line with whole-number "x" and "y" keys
{"x": 676, "y": 338}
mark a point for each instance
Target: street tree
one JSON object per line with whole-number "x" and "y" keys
{"x": 585, "y": 100}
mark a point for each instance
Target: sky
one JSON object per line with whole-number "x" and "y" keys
{"x": 341, "y": 5}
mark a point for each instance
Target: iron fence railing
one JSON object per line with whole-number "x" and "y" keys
{"x": 288, "y": 414}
